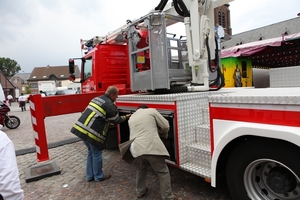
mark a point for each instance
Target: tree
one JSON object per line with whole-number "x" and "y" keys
{"x": 27, "y": 89}
{"x": 9, "y": 67}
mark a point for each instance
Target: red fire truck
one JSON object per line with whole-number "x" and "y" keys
{"x": 252, "y": 136}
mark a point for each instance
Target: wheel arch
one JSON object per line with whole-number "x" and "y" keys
{"x": 263, "y": 168}
{"x": 240, "y": 133}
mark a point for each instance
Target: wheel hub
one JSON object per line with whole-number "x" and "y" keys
{"x": 270, "y": 180}
{"x": 281, "y": 180}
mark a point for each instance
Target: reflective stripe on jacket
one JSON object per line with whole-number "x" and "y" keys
{"x": 94, "y": 122}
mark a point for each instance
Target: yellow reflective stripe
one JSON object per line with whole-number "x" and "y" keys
{"x": 98, "y": 108}
{"x": 88, "y": 119}
{"x": 88, "y": 133}
{"x": 105, "y": 129}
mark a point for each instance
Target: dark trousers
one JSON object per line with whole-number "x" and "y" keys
{"x": 158, "y": 164}
{"x": 23, "y": 105}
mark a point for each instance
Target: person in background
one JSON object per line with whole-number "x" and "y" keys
{"x": 10, "y": 187}
{"x": 9, "y": 99}
{"x": 22, "y": 102}
{"x": 146, "y": 127}
{"x": 17, "y": 98}
{"x": 92, "y": 128}
{"x": 43, "y": 94}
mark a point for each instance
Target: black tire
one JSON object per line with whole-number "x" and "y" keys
{"x": 12, "y": 122}
{"x": 264, "y": 169}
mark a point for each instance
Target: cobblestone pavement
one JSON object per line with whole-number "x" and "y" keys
{"x": 70, "y": 184}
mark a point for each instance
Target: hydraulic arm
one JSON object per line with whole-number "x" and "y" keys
{"x": 200, "y": 34}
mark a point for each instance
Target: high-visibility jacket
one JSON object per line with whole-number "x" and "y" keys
{"x": 94, "y": 122}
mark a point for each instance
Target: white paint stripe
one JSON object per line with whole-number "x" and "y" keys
{"x": 38, "y": 149}
{"x": 36, "y": 135}
{"x": 257, "y": 106}
{"x": 32, "y": 105}
{"x": 33, "y": 119}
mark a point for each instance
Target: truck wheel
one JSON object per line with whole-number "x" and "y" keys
{"x": 264, "y": 169}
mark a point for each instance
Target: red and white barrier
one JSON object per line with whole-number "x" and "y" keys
{"x": 38, "y": 125}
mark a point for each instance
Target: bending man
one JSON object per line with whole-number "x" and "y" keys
{"x": 146, "y": 126}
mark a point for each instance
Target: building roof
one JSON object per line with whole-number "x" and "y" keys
{"x": 287, "y": 27}
{"x": 52, "y": 73}
{"x": 23, "y": 76}
{"x": 5, "y": 82}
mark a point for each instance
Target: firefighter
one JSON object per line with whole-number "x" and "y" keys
{"x": 92, "y": 128}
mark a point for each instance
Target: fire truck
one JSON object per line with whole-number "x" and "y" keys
{"x": 249, "y": 135}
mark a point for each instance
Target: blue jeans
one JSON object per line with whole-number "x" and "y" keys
{"x": 94, "y": 163}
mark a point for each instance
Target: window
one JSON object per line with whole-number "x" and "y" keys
{"x": 222, "y": 18}
{"x": 88, "y": 68}
{"x": 52, "y": 77}
{"x": 33, "y": 85}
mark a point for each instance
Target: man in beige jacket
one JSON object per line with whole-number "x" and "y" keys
{"x": 147, "y": 125}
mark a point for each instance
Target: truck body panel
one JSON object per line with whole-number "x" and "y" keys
{"x": 204, "y": 123}
{"x": 111, "y": 61}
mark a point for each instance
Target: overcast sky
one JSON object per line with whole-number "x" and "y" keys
{"x": 37, "y": 33}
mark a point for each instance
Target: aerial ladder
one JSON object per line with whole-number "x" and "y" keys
{"x": 153, "y": 63}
